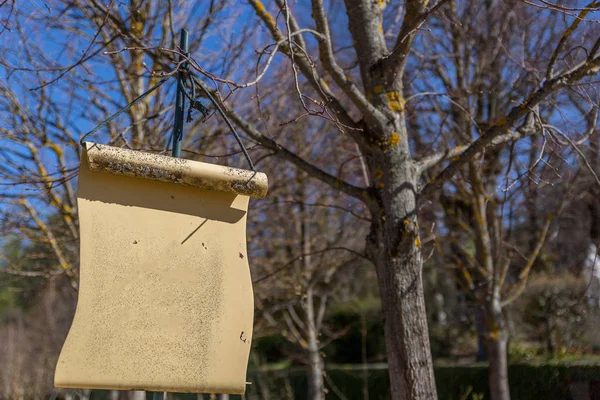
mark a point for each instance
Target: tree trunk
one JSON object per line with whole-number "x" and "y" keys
{"x": 315, "y": 363}
{"x": 480, "y": 325}
{"x": 289, "y": 391}
{"x": 497, "y": 339}
{"x": 137, "y": 395}
{"x": 406, "y": 334}
{"x": 498, "y": 373}
{"x": 394, "y": 247}
{"x": 550, "y": 346}
{"x": 263, "y": 392}
{"x": 315, "y": 377}
{"x": 363, "y": 354}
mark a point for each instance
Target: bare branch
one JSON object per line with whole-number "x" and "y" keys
{"x": 502, "y": 125}
{"x": 415, "y": 16}
{"x": 566, "y": 35}
{"x": 577, "y": 150}
{"x": 331, "y": 65}
{"x": 308, "y": 70}
{"x": 522, "y": 283}
{"x": 286, "y": 154}
{"x": 291, "y": 262}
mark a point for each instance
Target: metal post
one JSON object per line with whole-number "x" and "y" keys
{"x": 180, "y": 99}
{"x": 178, "y": 126}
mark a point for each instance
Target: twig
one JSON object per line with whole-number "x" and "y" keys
{"x": 83, "y": 56}
{"x": 299, "y": 257}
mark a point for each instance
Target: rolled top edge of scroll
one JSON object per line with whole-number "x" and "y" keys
{"x": 165, "y": 168}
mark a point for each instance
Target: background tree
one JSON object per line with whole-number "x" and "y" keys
{"x": 309, "y": 259}
{"x": 481, "y": 205}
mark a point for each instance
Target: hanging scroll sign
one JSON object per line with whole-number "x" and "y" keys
{"x": 165, "y": 300}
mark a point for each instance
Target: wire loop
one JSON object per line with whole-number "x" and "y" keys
{"x": 194, "y": 104}
{"x": 121, "y": 111}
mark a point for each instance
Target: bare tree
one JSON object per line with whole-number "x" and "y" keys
{"x": 381, "y": 132}
{"x": 481, "y": 205}
{"x": 311, "y": 256}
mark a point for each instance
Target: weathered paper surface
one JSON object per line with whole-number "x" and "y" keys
{"x": 165, "y": 301}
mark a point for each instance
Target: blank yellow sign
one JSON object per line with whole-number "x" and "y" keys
{"x": 165, "y": 299}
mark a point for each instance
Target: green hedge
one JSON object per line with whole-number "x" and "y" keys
{"x": 527, "y": 381}
{"x": 548, "y": 381}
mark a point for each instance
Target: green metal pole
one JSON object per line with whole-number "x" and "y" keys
{"x": 180, "y": 99}
{"x": 178, "y": 126}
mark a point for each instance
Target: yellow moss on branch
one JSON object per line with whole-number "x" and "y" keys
{"x": 267, "y": 19}
{"x": 56, "y": 149}
{"x": 394, "y": 139}
{"x": 495, "y": 333}
{"x": 500, "y": 122}
{"x": 395, "y": 101}
{"x": 47, "y": 232}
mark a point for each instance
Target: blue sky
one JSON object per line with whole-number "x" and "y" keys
{"x": 80, "y": 112}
